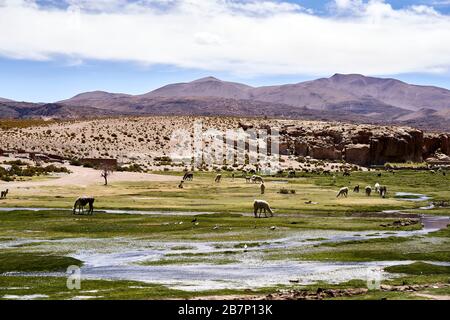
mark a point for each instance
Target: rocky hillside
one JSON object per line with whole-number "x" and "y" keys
{"x": 362, "y": 144}
{"x": 145, "y": 139}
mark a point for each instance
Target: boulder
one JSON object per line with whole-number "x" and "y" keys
{"x": 333, "y": 135}
{"x": 295, "y": 132}
{"x": 284, "y": 148}
{"x": 325, "y": 152}
{"x": 431, "y": 143}
{"x": 362, "y": 136}
{"x": 445, "y": 143}
{"x": 301, "y": 147}
{"x": 399, "y": 146}
{"x": 358, "y": 154}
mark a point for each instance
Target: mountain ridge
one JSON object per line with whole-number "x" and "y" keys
{"x": 341, "y": 97}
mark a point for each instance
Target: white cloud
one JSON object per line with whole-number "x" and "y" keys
{"x": 237, "y": 36}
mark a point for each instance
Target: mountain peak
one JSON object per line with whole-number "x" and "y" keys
{"x": 342, "y": 76}
{"x": 205, "y": 79}
{"x": 92, "y": 94}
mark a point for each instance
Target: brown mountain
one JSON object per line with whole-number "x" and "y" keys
{"x": 393, "y": 92}
{"x": 351, "y": 98}
{"x": 25, "y": 110}
{"x": 205, "y": 87}
{"x": 97, "y": 99}
{"x": 318, "y": 94}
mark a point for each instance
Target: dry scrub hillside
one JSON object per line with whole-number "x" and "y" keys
{"x": 130, "y": 139}
{"x": 146, "y": 140}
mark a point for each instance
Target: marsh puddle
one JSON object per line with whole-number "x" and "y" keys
{"x": 429, "y": 222}
{"x": 25, "y": 297}
{"x": 246, "y": 274}
{"x": 124, "y": 258}
{"x": 408, "y": 196}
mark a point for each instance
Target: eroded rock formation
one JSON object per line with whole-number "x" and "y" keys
{"x": 361, "y": 144}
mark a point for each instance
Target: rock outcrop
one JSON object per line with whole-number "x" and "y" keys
{"x": 400, "y": 146}
{"x": 434, "y": 142}
{"x": 361, "y": 144}
{"x": 358, "y": 154}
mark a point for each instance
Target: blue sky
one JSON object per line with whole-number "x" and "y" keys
{"x": 51, "y": 50}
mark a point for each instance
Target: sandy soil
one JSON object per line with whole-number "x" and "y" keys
{"x": 432, "y": 296}
{"x": 81, "y": 176}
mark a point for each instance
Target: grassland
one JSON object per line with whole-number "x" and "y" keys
{"x": 237, "y": 197}
{"x": 231, "y": 202}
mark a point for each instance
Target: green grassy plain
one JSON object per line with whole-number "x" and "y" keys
{"x": 231, "y": 201}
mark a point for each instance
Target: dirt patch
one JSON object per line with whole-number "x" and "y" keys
{"x": 82, "y": 176}
{"x": 323, "y": 293}
{"x": 432, "y": 296}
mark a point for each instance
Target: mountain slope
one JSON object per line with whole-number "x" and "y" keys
{"x": 316, "y": 94}
{"x": 339, "y": 88}
{"x": 393, "y": 92}
{"x": 205, "y": 87}
{"x": 353, "y": 98}
{"x": 24, "y": 110}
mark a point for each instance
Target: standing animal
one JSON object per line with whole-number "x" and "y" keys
{"x": 248, "y": 179}
{"x": 188, "y": 176}
{"x": 218, "y": 177}
{"x": 368, "y": 191}
{"x": 342, "y": 192}
{"x": 263, "y": 188}
{"x": 81, "y": 202}
{"x": 260, "y": 205}
{"x": 356, "y": 188}
{"x": 256, "y": 179}
{"x": 377, "y": 187}
{"x": 3, "y": 194}
{"x": 383, "y": 191}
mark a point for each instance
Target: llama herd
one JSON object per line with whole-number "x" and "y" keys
{"x": 381, "y": 190}
{"x": 259, "y": 206}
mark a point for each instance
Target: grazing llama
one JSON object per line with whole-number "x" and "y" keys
{"x": 260, "y": 205}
